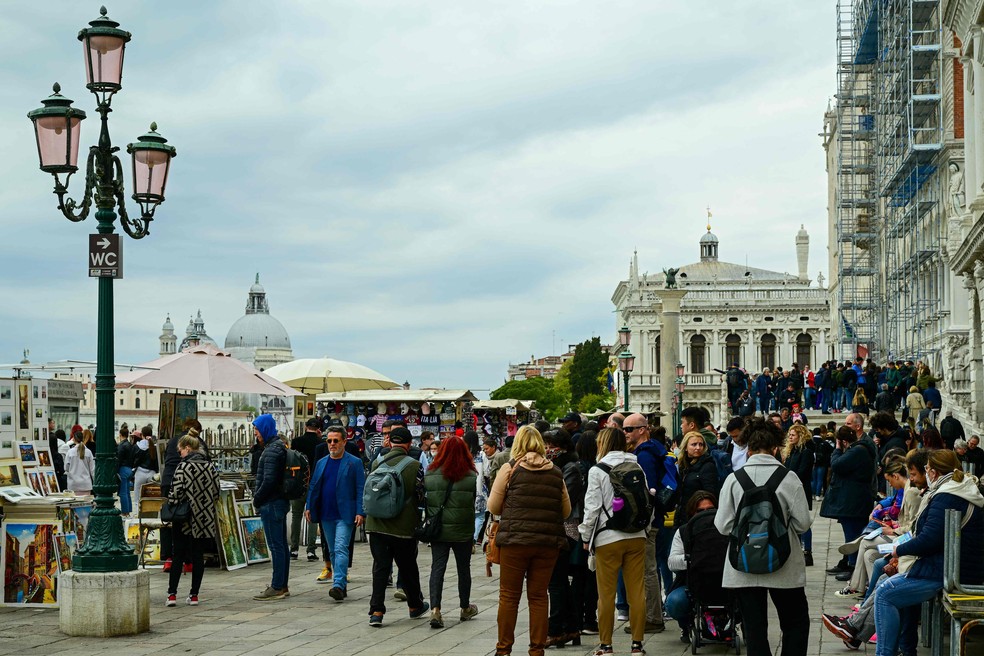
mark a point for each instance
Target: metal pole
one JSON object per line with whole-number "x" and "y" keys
{"x": 625, "y": 378}
{"x": 105, "y": 548}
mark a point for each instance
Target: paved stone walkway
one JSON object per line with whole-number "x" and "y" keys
{"x": 228, "y": 622}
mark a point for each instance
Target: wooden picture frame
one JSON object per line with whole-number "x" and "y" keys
{"x": 254, "y": 537}
{"x": 30, "y": 563}
{"x": 245, "y": 509}
{"x": 65, "y": 545}
{"x": 230, "y": 540}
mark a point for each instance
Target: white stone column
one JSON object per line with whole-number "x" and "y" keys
{"x": 973, "y": 286}
{"x": 978, "y": 115}
{"x": 970, "y": 144}
{"x": 669, "y": 351}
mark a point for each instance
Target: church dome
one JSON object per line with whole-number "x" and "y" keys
{"x": 709, "y": 238}
{"x": 257, "y": 328}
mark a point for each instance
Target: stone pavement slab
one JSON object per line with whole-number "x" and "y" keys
{"x": 229, "y": 623}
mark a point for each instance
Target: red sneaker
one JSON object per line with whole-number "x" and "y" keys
{"x": 192, "y": 600}
{"x": 167, "y": 565}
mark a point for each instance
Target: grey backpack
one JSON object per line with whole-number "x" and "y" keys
{"x": 384, "y": 495}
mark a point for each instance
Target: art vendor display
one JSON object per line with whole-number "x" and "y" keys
{"x": 30, "y": 563}
{"x": 230, "y": 541}
{"x": 257, "y": 550}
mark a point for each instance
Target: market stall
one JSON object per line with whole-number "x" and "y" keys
{"x": 363, "y": 412}
{"x": 501, "y": 418}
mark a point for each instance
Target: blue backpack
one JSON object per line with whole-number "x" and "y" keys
{"x": 668, "y": 494}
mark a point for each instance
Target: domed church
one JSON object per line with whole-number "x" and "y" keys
{"x": 258, "y": 337}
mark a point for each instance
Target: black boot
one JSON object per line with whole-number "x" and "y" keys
{"x": 808, "y": 557}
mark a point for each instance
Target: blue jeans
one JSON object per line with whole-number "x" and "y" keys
{"x": 819, "y": 480}
{"x": 894, "y": 601}
{"x": 621, "y": 597}
{"x": 877, "y": 569}
{"x": 273, "y": 514}
{"x": 664, "y": 541}
{"x": 677, "y": 606}
{"x": 338, "y": 533}
{"x": 810, "y": 396}
{"x": 126, "y": 477}
{"x": 807, "y": 540}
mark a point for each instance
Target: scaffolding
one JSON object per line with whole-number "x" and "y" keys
{"x": 856, "y": 196}
{"x": 889, "y": 179}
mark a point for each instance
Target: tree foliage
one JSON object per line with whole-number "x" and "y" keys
{"x": 550, "y": 403}
{"x": 587, "y": 370}
{"x": 592, "y": 402}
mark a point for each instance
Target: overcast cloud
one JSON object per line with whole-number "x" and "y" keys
{"x": 431, "y": 188}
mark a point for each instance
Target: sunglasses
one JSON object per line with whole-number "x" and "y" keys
{"x": 333, "y": 441}
{"x": 629, "y": 429}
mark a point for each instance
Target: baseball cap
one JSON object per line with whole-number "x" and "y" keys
{"x": 313, "y": 422}
{"x": 400, "y": 435}
{"x": 571, "y": 416}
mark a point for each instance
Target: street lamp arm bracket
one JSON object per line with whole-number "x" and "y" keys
{"x": 139, "y": 228}
{"x": 68, "y": 206}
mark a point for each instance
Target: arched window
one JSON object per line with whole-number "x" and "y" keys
{"x": 137, "y": 403}
{"x": 804, "y": 347}
{"x": 768, "y": 351}
{"x": 698, "y": 354}
{"x": 657, "y": 356}
{"x": 732, "y": 350}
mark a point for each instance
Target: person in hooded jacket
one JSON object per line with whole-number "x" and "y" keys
{"x": 697, "y": 472}
{"x": 273, "y": 506}
{"x": 197, "y": 482}
{"x": 614, "y": 549}
{"x": 530, "y": 495}
{"x": 798, "y": 457}
{"x": 898, "y": 600}
{"x": 889, "y": 435}
{"x": 566, "y": 612}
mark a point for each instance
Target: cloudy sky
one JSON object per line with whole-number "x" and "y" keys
{"x": 432, "y": 188}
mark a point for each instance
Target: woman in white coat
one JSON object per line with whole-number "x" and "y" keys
{"x": 80, "y": 466}
{"x": 786, "y": 586}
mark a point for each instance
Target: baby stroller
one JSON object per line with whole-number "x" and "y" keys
{"x": 715, "y": 611}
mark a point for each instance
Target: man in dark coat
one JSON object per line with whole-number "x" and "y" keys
{"x": 305, "y": 444}
{"x": 888, "y": 434}
{"x": 951, "y": 430}
{"x": 885, "y": 400}
{"x": 269, "y": 500}
{"x": 850, "y": 497}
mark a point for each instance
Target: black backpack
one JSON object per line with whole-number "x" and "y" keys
{"x": 297, "y": 475}
{"x": 706, "y": 551}
{"x": 759, "y": 541}
{"x": 635, "y": 508}
{"x": 734, "y": 378}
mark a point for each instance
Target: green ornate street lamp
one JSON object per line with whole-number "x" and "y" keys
{"x": 57, "y": 127}
{"x": 680, "y": 385}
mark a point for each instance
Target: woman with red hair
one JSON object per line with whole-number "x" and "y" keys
{"x": 450, "y": 485}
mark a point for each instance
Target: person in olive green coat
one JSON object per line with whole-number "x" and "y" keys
{"x": 451, "y": 482}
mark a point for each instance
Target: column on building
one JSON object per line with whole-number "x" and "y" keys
{"x": 974, "y": 286}
{"x": 970, "y": 159}
{"x": 716, "y": 352}
{"x": 978, "y": 110}
{"x": 642, "y": 358}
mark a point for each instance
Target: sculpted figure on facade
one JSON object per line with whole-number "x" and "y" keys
{"x": 956, "y": 189}
{"x": 957, "y": 354}
{"x": 671, "y": 277}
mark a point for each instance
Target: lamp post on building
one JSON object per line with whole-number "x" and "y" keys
{"x": 57, "y": 126}
{"x": 626, "y": 363}
{"x": 680, "y": 384}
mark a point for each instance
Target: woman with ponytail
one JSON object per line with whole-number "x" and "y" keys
{"x": 898, "y": 600}
{"x": 80, "y": 466}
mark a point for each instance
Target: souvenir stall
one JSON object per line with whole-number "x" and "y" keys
{"x": 363, "y": 412}
{"x": 500, "y": 419}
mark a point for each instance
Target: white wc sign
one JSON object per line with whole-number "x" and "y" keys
{"x": 105, "y": 256}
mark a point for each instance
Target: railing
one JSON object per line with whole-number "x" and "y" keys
{"x": 692, "y": 380}
{"x": 753, "y": 295}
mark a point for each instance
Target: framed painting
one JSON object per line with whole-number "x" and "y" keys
{"x": 65, "y": 545}
{"x": 76, "y": 520}
{"x": 245, "y": 509}
{"x": 43, "y": 453}
{"x": 28, "y": 456}
{"x": 50, "y": 480}
{"x": 10, "y": 474}
{"x": 257, "y": 550}
{"x": 6, "y": 418}
{"x": 35, "y": 481}
{"x": 15, "y": 493}
{"x": 23, "y": 410}
{"x": 7, "y": 449}
{"x": 230, "y": 541}
{"x": 30, "y": 563}
{"x": 6, "y": 393}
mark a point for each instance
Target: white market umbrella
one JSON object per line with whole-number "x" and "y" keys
{"x": 320, "y": 375}
{"x": 205, "y": 368}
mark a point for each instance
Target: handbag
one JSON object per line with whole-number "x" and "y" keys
{"x": 430, "y": 529}
{"x": 176, "y": 513}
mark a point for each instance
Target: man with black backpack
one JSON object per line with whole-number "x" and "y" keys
{"x": 651, "y": 456}
{"x": 270, "y": 501}
{"x": 393, "y": 490}
{"x": 763, "y": 510}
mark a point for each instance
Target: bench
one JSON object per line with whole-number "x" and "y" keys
{"x": 963, "y": 603}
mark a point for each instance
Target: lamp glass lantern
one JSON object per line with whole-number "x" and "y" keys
{"x": 151, "y": 160}
{"x": 103, "y": 44}
{"x": 679, "y": 369}
{"x": 680, "y": 384}
{"x": 57, "y": 126}
{"x": 624, "y": 336}
{"x": 626, "y": 362}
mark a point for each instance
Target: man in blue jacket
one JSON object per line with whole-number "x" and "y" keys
{"x": 335, "y": 500}
{"x": 269, "y": 500}
{"x": 650, "y": 455}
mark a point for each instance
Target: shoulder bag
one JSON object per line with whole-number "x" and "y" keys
{"x": 430, "y": 529}
{"x": 492, "y": 555}
{"x": 176, "y": 513}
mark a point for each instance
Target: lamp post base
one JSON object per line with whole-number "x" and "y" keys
{"x": 104, "y": 604}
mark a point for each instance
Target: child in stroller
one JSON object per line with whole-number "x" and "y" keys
{"x": 706, "y": 612}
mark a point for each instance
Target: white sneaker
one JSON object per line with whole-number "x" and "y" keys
{"x": 622, "y": 616}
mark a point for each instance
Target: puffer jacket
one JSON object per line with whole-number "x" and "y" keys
{"x": 458, "y": 518}
{"x": 930, "y": 534}
{"x": 700, "y": 475}
{"x": 598, "y": 503}
{"x": 532, "y": 500}
{"x": 849, "y": 494}
{"x": 273, "y": 461}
